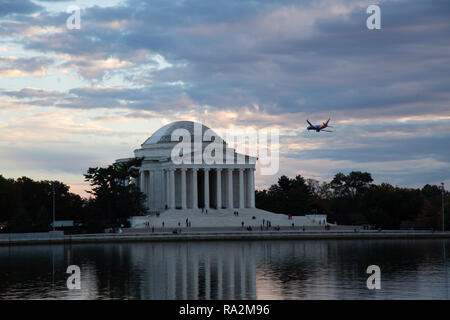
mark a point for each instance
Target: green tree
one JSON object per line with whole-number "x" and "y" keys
{"x": 20, "y": 221}
{"x": 292, "y": 196}
{"x": 10, "y": 198}
{"x": 43, "y": 220}
{"x": 352, "y": 184}
{"x": 34, "y": 198}
{"x": 387, "y": 206}
{"x": 115, "y": 199}
{"x": 431, "y": 213}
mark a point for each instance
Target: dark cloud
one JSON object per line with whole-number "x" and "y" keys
{"x": 380, "y": 150}
{"x": 11, "y": 66}
{"x": 25, "y": 64}
{"x": 10, "y": 7}
{"x": 31, "y": 93}
{"x": 231, "y": 55}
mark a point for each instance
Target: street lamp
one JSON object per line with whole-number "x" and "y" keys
{"x": 443, "y": 202}
{"x": 53, "y": 200}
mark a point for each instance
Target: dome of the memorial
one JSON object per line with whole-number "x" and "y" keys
{"x": 164, "y": 134}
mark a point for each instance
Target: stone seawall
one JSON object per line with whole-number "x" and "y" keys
{"x": 47, "y": 238}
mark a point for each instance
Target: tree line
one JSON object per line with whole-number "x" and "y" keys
{"x": 26, "y": 205}
{"x": 355, "y": 199}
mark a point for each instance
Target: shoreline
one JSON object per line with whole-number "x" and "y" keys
{"x": 49, "y": 238}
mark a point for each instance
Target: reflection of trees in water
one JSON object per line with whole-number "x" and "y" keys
{"x": 290, "y": 261}
{"x": 31, "y": 271}
{"x": 304, "y": 266}
{"x": 393, "y": 256}
{"x": 290, "y": 266}
{"x": 40, "y": 271}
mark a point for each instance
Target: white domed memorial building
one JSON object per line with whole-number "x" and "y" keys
{"x": 189, "y": 173}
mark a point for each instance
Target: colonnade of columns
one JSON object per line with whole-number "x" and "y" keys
{"x": 183, "y": 188}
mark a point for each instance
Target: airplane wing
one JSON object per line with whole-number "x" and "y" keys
{"x": 309, "y": 123}
{"x": 326, "y": 130}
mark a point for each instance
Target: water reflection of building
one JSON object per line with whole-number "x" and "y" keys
{"x": 231, "y": 270}
{"x": 196, "y": 270}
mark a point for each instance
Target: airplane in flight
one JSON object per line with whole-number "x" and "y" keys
{"x": 319, "y": 128}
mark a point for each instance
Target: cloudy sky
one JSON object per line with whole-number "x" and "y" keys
{"x": 73, "y": 99}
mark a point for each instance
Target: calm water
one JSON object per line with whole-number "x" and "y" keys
{"x": 410, "y": 269}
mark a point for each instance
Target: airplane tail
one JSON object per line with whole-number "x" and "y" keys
{"x": 326, "y": 123}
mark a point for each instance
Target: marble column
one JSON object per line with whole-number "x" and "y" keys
{"x": 162, "y": 192}
{"x": 251, "y": 187}
{"x": 241, "y": 189}
{"x": 194, "y": 189}
{"x": 219, "y": 188}
{"x": 230, "y": 188}
{"x": 206, "y": 187}
{"x": 183, "y": 188}
{"x": 167, "y": 177}
{"x": 151, "y": 190}
{"x": 172, "y": 189}
{"x": 142, "y": 181}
